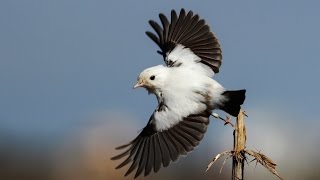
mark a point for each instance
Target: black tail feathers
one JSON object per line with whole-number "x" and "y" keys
{"x": 233, "y": 101}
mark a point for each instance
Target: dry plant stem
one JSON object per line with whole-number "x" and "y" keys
{"x": 224, "y": 162}
{"x": 239, "y": 144}
{"x": 264, "y": 161}
{"x": 239, "y": 152}
{"x": 218, "y": 156}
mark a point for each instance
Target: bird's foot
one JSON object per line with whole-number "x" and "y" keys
{"x": 226, "y": 121}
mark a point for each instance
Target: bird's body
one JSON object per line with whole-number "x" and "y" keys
{"x": 181, "y": 92}
{"x": 185, "y": 91}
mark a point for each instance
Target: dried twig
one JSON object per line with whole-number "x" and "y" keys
{"x": 239, "y": 152}
{"x": 264, "y": 161}
{"x": 228, "y": 153}
{"x": 224, "y": 161}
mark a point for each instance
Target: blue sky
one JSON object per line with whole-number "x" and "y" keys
{"x": 64, "y": 62}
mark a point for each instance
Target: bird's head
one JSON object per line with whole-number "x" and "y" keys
{"x": 152, "y": 78}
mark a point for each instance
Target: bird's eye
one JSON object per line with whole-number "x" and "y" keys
{"x": 152, "y": 77}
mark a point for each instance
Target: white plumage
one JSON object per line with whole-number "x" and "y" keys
{"x": 182, "y": 88}
{"x": 183, "y": 55}
{"x": 185, "y": 91}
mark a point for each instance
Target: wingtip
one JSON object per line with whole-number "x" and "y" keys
{"x": 161, "y": 53}
{"x": 173, "y": 13}
{"x": 146, "y": 173}
{"x": 161, "y": 15}
{"x": 127, "y": 173}
{"x": 136, "y": 175}
{"x": 152, "y": 36}
{"x": 122, "y": 146}
{"x": 151, "y": 22}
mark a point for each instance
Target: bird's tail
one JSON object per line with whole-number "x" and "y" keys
{"x": 233, "y": 100}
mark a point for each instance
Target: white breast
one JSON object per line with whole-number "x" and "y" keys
{"x": 183, "y": 95}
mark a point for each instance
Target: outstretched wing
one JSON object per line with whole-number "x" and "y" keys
{"x": 151, "y": 148}
{"x": 190, "y": 32}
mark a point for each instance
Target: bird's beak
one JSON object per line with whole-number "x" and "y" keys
{"x": 139, "y": 84}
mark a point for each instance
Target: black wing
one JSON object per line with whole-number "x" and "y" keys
{"x": 189, "y": 31}
{"x": 151, "y": 148}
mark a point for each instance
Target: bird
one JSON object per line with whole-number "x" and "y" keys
{"x": 185, "y": 90}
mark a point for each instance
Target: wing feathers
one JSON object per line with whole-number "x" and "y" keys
{"x": 193, "y": 23}
{"x": 164, "y": 150}
{"x": 132, "y": 153}
{"x": 191, "y": 140}
{"x": 193, "y": 32}
{"x": 194, "y": 127}
{"x": 125, "y": 145}
{"x": 143, "y": 158}
{"x": 172, "y": 24}
{"x": 171, "y": 147}
{"x": 190, "y": 31}
{"x": 175, "y": 140}
{"x": 182, "y": 140}
{"x": 165, "y": 24}
{"x": 179, "y": 25}
{"x": 184, "y": 30}
{"x": 136, "y": 157}
{"x": 154, "y": 38}
{"x": 150, "y": 160}
{"x": 195, "y": 134}
{"x": 158, "y": 30}
{"x": 122, "y": 154}
{"x": 152, "y": 148}
{"x": 157, "y": 153}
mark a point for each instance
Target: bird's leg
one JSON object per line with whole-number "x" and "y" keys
{"x": 226, "y": 121}
{"x": 244, "y": 112}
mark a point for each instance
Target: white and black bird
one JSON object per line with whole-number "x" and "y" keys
{"x": 185, "y": 91}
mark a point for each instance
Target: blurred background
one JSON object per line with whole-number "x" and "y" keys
{"x": 67, "y": 68}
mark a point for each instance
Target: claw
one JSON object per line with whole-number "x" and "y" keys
{"x": 226, "y": 121}
{"x": 244, "y": 113}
